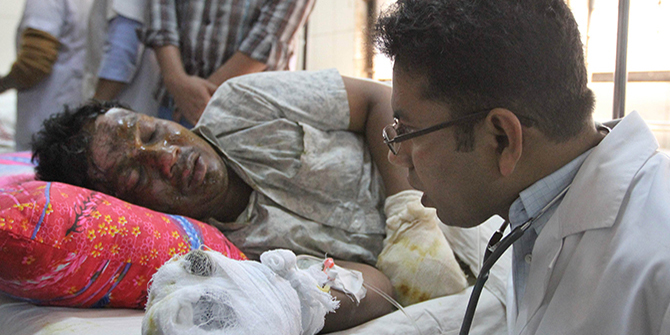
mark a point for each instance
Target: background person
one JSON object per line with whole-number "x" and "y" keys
{"x": 200, "y": 44}
{"x": 118, "y": 66}
{"x": 48, "y": 70}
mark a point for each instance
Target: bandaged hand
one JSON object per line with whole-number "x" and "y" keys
{"x": 206, "y": 293}
{"x": 416, "y": 256}
{"x": 314, "y": 302}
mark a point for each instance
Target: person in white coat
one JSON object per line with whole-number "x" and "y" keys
{"x": 48, "y": 70}
{"x": 493, "y": 116}
{"x": 118, "y": 66}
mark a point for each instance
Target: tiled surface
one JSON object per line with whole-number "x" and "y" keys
{"x": 332, "y": 35}
{"x": 332, "y": 50}
{"x": 333, "y": 16}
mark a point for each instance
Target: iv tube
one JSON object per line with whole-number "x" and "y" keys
{"x": 394, "y": 303}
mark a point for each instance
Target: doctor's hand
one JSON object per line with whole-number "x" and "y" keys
{"x": 191, "y": 94}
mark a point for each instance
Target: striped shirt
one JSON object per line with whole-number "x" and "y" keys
{"x": 209, "y": 32}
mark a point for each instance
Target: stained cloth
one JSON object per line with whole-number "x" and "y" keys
{"x": 316, "y": 190}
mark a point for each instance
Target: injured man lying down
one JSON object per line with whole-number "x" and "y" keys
{"x": 284, "y": 164}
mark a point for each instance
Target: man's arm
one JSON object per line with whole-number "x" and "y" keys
{"x": 108, "y": 89}
{"x": 120, "y": 58}
{"x": 278, "y": 23}
{"x": 36, "y": 56}
{"x": 191, "y": 93}
{"x": 370, "y": 111}
{"x": 239, "y": 64}
{"x": 269, "y": 39}
{"x": 372, "y": 306}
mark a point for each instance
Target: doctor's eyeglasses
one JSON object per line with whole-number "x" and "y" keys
{"x": 395, "y": 133}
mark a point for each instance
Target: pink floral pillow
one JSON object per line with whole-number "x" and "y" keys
{"x": 68, "y": 246}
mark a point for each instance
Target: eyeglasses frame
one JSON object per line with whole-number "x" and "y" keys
{"x": 424, "y": 131}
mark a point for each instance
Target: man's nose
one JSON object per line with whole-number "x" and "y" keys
{"x": 161, "y": 157}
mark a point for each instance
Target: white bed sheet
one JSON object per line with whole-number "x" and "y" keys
{"x": 21, "y": 318}
{"x": 437, "y": 316}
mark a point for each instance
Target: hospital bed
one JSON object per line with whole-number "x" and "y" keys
{"x": 436, "y": 316}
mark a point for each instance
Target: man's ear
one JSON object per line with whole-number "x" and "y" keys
{"x": 506, "y": 128}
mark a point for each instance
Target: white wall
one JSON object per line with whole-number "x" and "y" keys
{"x": 335, "y": 38}
{"x": 10, "y": 14}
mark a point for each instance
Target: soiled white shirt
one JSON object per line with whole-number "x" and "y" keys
{"x": 316, "y": 190}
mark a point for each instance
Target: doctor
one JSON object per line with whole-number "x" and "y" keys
{"x": 493, "y": 116}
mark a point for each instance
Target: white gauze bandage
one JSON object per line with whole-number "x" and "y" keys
{"x": 416, "y": 256}
{"x": 205, "y": 293}
{"x": 314, "y": 302}
{"x": 327, "y": 273}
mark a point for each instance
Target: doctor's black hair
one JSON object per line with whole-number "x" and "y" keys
{"x": 522, "y": 55}
{"x": 61, "y": 147}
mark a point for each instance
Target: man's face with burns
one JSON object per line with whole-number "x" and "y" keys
{"x": 155, "y": 163}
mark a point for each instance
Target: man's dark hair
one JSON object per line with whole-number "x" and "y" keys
{"x": 522, "y": 55}
{"x": 61, "y": 147}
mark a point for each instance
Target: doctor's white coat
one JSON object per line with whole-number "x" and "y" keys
{"x": 601, "y": 265}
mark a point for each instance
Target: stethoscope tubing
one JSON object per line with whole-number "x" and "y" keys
{"x": 495, "y": 249}
{"x": 489, "y": 261}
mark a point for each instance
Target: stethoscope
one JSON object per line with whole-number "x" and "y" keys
{"x": 494, "y": 250}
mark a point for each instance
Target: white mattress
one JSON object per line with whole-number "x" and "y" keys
{"x": 437, "y": 316}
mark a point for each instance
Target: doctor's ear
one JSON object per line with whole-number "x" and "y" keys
{"x": 506, "y": 128}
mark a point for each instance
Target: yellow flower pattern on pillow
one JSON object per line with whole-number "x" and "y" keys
{"x": 68, "y": 246}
